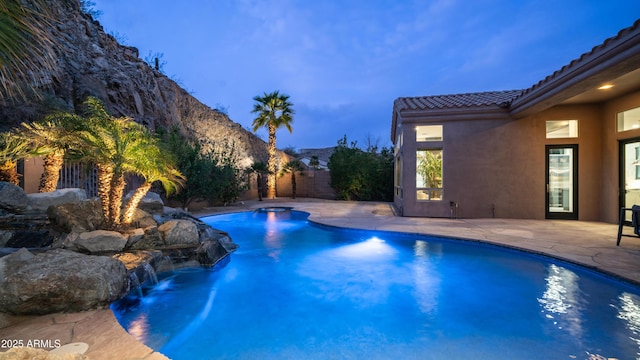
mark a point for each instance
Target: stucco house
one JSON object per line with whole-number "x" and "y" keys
{"x": 566, "y": 148}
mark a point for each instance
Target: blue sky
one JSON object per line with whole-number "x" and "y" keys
{"x": 344, "y": 62}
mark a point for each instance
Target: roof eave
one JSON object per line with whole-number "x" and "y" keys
{"x": 616, "y": 57}
{"x": 489, "y": 112}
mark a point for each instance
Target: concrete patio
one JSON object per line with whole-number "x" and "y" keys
{"x": 586, "y": 243}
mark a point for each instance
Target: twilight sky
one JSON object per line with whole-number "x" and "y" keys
{"x": 344, "y": 62}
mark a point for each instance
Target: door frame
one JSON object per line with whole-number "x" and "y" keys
{"x": 562, "y": 215}
{"x": 622, "y": 170}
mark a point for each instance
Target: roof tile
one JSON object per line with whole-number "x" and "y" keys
{"x": 488, "y": 98}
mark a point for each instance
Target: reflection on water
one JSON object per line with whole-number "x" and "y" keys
{"x": 629, "y": 312}
{"x": 562, "y": 301}
{"x": 139, "y": 328}
{"x": 273, "y": 236}
{"x": 426, "y": 279}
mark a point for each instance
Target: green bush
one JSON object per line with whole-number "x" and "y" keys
{"x": 212, "y": 172}
{"x": 365, "y": 175}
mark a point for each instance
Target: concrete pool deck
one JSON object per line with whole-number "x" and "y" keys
{"x": 591, "y": 244}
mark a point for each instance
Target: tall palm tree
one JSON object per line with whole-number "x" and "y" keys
{"x": 274, "y": 111}
{"x": 292, "y": 167}
{"x": 260, "y": 168}
{"x": 12, "y": 149}
{"x": 26, "y": 45}
{"x": 52, "y": 136}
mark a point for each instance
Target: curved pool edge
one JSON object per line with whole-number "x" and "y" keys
{"x": 582, "y": 243}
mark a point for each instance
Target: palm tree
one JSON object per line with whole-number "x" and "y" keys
{"x": 260, "y": 168}
{"x": 153, "y": 165}
{"x": 52, "y": 137}
{"x": 292, "y": 167}
{"x": 274, "y": 110}
{"x": 118, "y": 146}
{"x": 26, "y": 45}
{"x": 12, "y": 148}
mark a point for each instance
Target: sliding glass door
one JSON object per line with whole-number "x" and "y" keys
{"x": 629, "y": 174}
{"x": 562, "y": 182}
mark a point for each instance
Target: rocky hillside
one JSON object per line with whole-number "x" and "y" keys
{"x": 93, "y": 63}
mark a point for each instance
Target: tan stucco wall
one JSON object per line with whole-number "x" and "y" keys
{"x": 33, "y": 169}
{"x": 497, "y": 167}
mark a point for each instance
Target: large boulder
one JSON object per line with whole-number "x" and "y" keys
{"x": 150, "y": 239}
{"x": 12, "y": 198}
{"x": 59, "y": 281}
{"x": 179, "y": 232}
{"x": 96, "y": 242}
{"x": 210, "y": 252}
{"x": 42, "y": 201}
{"x": 77, "y": 216}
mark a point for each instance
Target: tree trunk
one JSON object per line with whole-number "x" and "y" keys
{"x": 271, "y": 164}
{"x": 115, "y": 197}
{"x": 293, "y": 184}
{"x": 105, "y": 174}
{"x": 52, "y": 164}
{"x": 132, "y": 205}
{"x": 259, "y": 187}
{"x": 9, "y": 172}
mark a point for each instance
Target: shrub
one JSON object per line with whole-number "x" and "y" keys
{"x": 358, "y": 174}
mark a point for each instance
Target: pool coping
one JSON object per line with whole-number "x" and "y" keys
{"x": 588, "y": 244}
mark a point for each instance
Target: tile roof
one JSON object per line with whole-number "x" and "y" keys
{"x": 481, "y": 99}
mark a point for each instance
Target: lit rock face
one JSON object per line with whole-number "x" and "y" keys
{"x": 59, "y": 281}
{"x": 93, "y": 63}
{"x": 179, "y": 232}
{"x": 42, "y": 201}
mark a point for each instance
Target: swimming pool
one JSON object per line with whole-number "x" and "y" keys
{"x": 298, "y": 290}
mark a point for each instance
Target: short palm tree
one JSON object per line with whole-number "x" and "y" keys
{"x": 155, "y": 166}
{"x": 26, "y": 45}
{"x": 52, "y": 136}
{"x": 292, "y": 167}
{"x": 274, "y": 110}
{"x": 12, "y": 148}
{"x": 120, "y": 146}
{"x": 260, "y": 168}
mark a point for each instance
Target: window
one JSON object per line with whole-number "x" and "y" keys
{"x": 398, "y": 143}
{"x": 429, "y": 174}
{"x": 557, "y": 129}
{"x": 629, "y": 120}
{"x": 398, "y": 177}
{"x": 429, "y": 133}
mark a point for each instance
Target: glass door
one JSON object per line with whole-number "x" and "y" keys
{"x": 629, "y": 174}
{"x": 562, "y": 182}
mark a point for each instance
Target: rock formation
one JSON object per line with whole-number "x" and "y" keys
{"x": 93, "y": 63}
{"x": 59, "y": 281}
{"x": 65, "y": 262}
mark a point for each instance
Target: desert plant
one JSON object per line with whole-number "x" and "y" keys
{"x": 211, "y": 171}
{"x": 274, "y": 110}
{"x": 52, "y": 136}
{"x": 260, "y": 169}
{"x": 12, "y": 149}
{"x": 26, "y": 45}
{"x": 292, "y": 167}
{"x": 358, "y": 174}
{"x": 118, "y": 146}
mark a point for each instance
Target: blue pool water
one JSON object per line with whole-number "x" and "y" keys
{"x": 295, "y": 290}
